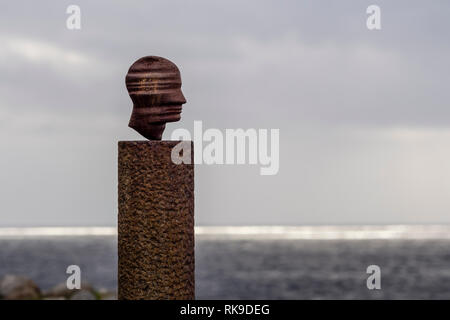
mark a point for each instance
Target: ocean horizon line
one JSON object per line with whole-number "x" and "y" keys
{"x": 311, "y": 232}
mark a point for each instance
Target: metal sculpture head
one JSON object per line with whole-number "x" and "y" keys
{"x": 154, "y": 85}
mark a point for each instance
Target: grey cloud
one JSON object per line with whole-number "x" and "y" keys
{"x": 309, "y": 68}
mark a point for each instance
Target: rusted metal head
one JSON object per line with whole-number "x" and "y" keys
{"x": 154, "y": 85}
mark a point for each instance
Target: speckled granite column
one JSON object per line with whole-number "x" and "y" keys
{"x": 156, "y": 222}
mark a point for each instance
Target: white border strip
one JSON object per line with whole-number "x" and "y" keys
{"x": 57, "y": 231}
{"x": 261, "y": 232}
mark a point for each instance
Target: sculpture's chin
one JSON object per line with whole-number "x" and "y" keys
{"x": 165, "y": 116}
{"x": 150, "y": 122}
{"x": 171, "y": 117}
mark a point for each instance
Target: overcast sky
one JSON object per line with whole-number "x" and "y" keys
{"x": 364, "y": 116}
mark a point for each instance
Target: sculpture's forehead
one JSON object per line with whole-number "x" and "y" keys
{"x": 152, "y": 75}
{"x": 154, "y": 67}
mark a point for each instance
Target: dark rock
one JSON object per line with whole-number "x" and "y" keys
{"x": 61, "y": 290}
{"x": 83, "y": 295}
{"x": 18, "y": 288}
{"x": 107, "y": 295}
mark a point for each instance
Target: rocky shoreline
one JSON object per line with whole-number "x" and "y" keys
{"x": 13, "y": 287}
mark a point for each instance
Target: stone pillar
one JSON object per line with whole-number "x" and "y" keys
{"x": 156, "y": 222}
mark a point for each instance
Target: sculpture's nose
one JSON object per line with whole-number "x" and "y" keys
{"x": 179, "y": 97}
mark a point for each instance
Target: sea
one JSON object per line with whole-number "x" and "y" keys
{"x": 258, "y": 262}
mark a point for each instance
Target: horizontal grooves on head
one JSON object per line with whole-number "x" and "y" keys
{"x": 153, "y": 85}
{"x": 152, "y": 75}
